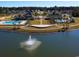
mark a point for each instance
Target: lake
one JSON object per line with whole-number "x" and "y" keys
{"x": 56, "y": 44}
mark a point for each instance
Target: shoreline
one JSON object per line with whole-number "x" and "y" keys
{"x": 40, "y": 30}
{"x": 43, "y": 30}
{"x": 53, "y": 28}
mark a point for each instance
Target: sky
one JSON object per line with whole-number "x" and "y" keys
{"x": 38, "y": 3}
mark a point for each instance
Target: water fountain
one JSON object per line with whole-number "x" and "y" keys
{"x": 30, "y": 44}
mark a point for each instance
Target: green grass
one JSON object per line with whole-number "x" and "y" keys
{"x": 38, "y": 22}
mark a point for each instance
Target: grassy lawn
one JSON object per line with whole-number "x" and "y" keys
{"x": 5, "y": 18}
{"x": 38, "y": 22}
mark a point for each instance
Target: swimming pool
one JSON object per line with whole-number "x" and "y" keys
{"x": 12, "y": 22}
{"x": 60, "y": 21}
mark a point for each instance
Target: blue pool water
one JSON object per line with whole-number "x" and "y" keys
{"x": 11, "y": 22}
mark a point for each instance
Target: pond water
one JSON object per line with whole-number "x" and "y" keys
{"x": 57, "y": 44}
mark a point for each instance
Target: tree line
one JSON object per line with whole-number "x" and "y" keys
{"x": 8, "y": 10}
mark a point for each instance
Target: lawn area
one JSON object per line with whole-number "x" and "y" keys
{"x": 32, "y": 22}
{"x": 5, "y": 17}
